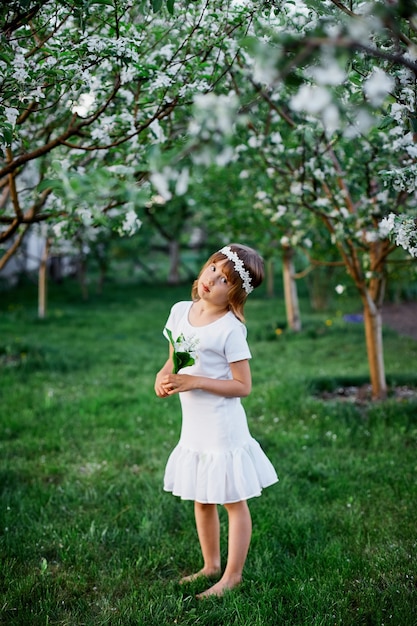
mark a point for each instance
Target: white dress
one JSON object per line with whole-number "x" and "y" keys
{"x": 216, "y": 459}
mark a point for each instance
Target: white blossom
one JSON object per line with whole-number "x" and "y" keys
{"x": 254, "y": 142}
{"x": 264, "y": 68}
{"x": 130, "y": 224}
{"x": 85, "y": 215}
{"x": 11, "y": 115}
{"x": 296, "y": 189}
{"x": 311, "y": 99}
{"x": 160, "y": 180}
{"x": 216, "y": 112}
{"x": 96, "y": 44}
{"x": 182, "y": 182}
{"x": 275, "y": 138}
{"x": 157, "y": 131}
{"x": 371, "y": 236}
{"x": 386, "y": 225}
{"x": 59, "y": 227}
{"x": 127, "y": 74}
{"x": 377, "y": 86}
{"x": 331, "y": 118}
{"x": 224, "y": 157}
{"x": 329, "y": 73}
{"x": 403, "y": 228}
{"x": 161, "y": 80}
{"x": 21, "y": 75}
{"x": 84, "y": 104}
{"x": 100, "y": 134}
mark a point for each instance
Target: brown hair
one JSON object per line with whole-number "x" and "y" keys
{"x": 253, "y": 263}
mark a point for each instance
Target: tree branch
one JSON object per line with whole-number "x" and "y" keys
{"x": 10, "y": 251}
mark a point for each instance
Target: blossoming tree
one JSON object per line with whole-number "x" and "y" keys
{"x": 95, "y": 99}
{"x": 85, "y": 91}
{"x": 346, "y": 154}
{"x": 327, "y": 93}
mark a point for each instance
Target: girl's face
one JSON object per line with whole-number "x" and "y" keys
{"x": 213, "y": 285}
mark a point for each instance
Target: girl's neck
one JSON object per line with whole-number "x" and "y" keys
{"x": 202, "y": 313}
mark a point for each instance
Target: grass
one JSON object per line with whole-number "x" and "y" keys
{"x": 87, "y": 536}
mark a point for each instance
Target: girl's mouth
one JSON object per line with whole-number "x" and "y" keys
{"x": 205, "y": 288}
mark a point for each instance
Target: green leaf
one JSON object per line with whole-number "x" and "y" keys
{"x": 49, "y": 183}
{"x": 184, "y": 360}
{"x": 156, "y": 5}
{"x": 413, "y": 122}
{"x": 8, "y": 135}
{"x": 176, "y": 363}
{"x": 169, "y": 333}
{"x": 180, "y": 359}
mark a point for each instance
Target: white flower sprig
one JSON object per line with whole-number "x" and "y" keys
{"x": 185, "y": 351}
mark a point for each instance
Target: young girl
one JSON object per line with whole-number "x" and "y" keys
{"x": 216, "y": 461}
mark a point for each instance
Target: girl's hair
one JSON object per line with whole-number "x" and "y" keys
{"x": 253, "y": 263}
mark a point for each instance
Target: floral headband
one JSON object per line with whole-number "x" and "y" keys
{"x": 239, "y": 267}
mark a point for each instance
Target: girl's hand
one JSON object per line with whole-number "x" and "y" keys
{"x": 159, "y": 386}
{"x": 176, "y": 383}
{"x": 237, "y": 387}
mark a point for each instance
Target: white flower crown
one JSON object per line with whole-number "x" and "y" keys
{"x": 239, "y": 267}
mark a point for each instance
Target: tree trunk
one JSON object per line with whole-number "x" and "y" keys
{"x": 374, "y": 346}
{"x": 43, "y": 280}
{"x": 82, "y": 275}
{"x": 290, "y": 290}
{"x": 269, "y": 266}
{"x": 318, "y": 282}
{"x": 174, "y": 262}
{"x": 101, "y": 279}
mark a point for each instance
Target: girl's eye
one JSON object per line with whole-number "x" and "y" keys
{"x": 224, "y": 281}
{"x": 213, "y": 268}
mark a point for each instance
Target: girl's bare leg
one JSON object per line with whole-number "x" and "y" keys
{"x": 208, "y": 529}
{"x": 240, "y": 532}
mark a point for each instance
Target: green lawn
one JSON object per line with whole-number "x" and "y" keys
{"x": 87, "y": 536}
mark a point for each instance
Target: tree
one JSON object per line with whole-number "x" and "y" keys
{"x": 337, "y": 88}
{"x": 88, "y": 91}
{"x": 334, "y": 166}
{"x": 334, "y": 84}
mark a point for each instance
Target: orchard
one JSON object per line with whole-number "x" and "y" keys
{"x": 110, "y": 109}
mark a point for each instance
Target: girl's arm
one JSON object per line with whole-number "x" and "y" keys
{"x": 159, "y": 386}
{"x": 238, "y": 386}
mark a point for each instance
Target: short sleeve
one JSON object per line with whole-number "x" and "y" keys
{"x": 236, "y": 345}
{"x": 176, "y": 315}
{"x": 168, "y": 324}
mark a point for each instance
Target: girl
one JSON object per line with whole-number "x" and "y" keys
{"x": 216, "y": 461}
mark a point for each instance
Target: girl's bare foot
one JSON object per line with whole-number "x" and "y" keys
{"x": 224, "y": 584}
{"x": 208, "y": 573}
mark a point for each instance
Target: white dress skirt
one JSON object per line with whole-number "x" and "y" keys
{"x": 216, "y": 460}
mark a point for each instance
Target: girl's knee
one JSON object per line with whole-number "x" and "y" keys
{"x": 204, "y": 507}
{"x": 236, "y": 506}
